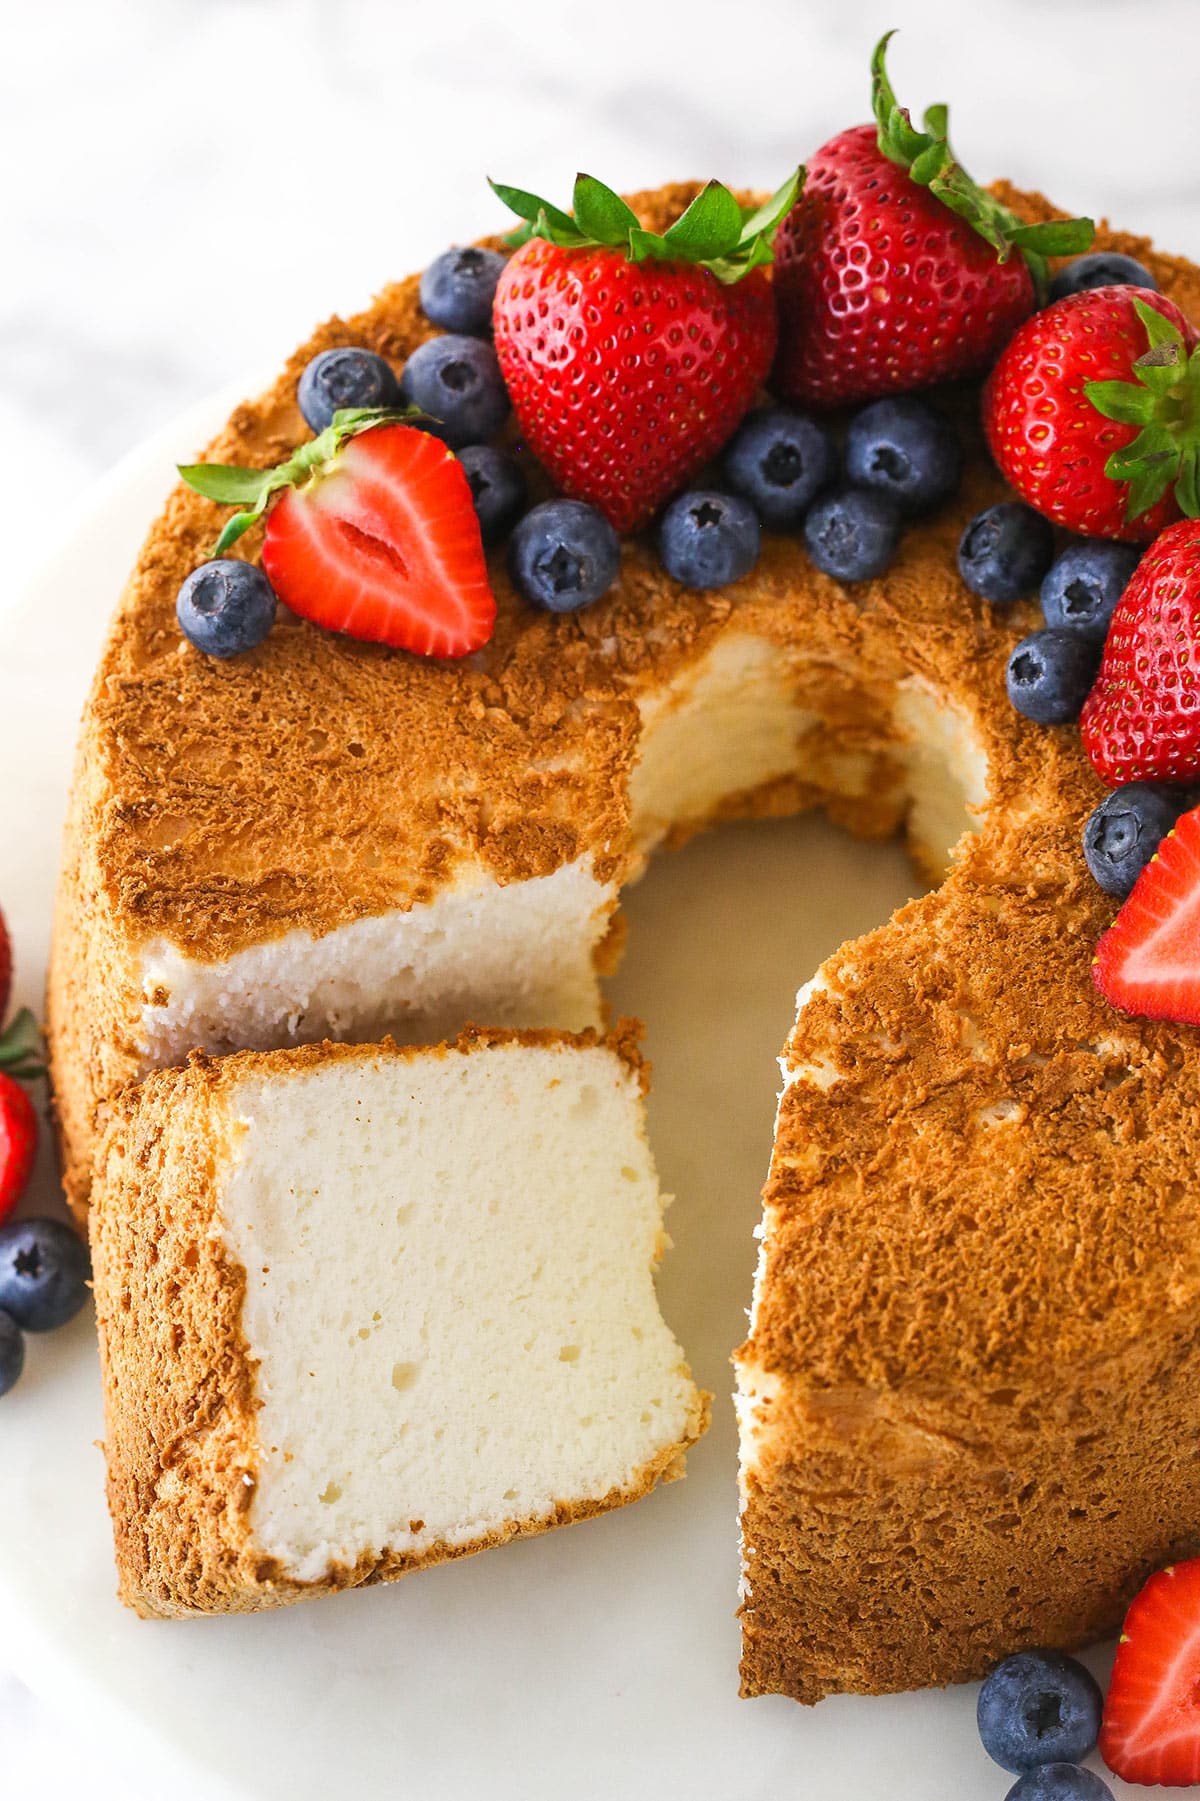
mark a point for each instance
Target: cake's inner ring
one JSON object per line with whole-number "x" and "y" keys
{"x": 747, "y": 728}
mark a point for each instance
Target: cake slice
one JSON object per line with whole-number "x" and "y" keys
{"x": 367, "y": 1308}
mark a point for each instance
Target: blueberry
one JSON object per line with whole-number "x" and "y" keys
{"x": 707, "y": 539}
{"x": 497, "y": 488}
{"x": 457, "y": 381}
{"x": 564, "y": 555}
{"x": 779, "y": 461}
{"x": 12, "y": 1352}
{"x": 225, "y": 607}
{"x": 1005, "y": 551}
{"x": 1126, "y": 829}
{"x": 1102, "y": 269}
{"x": 1085, "y": 583}
{"x": 905, "y": 450}
{"x": 43, "y": 1273}
{"x": 1059, "y": 1782}
{"x": 458, "y": 288}
{"x": 1050, "y": 673}
{"x": 344, "y": 377}
{"x": 852, "y": 534}
{"x": 1038, "y": 1707}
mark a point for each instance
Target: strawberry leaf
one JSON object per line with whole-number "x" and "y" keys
{"x": 21, "y": 1048}
{"x": 533, "y": 209}
{"x": 762, "y": 221}
{"x": 1165, "y": 402}
{"x": 929, "y": 161}
{"x": 225, "y": 482}
{"x": 711, "y": 227}
{"x": 602, "y": 215}
{"x": 1123, "y": 401}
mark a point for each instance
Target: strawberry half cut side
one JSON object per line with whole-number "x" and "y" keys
{"x": 1151, "y": 1728}
{"x": 386, "y": 547}
{"x": 1148, "y": 962}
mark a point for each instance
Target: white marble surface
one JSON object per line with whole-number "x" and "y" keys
{"x": 190, "y": 184}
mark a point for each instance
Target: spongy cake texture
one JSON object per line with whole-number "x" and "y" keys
{"x": 363, "y": 1309}
{"x": 968, "y": 1393}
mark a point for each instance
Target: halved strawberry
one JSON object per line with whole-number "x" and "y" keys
{"x": 375, "y": 534}
{"x": 1148, "y": 962}
{"x": 1151, "y": 1729}
{"x": 386, "y": 546}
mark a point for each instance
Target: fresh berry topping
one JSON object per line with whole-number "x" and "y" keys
{"x": 12, "y": 1352}
{"x": 497, "y": 488}
{"x": 1038, "y": 1707}
{"x": 458, "y": 288}
{"x": 1102, "y": 269}
{"x": 1125, "y": 830}
{"x": 43, "y": 1273}
{"x": 18, "y": 1142}
{"x": 1085, "y": 583}
{"x": 906, "y": 450}
{"x": 1089, "y": 413}
{"x": 1049, "y": 674}
{"x": 894, "y": 269}
{"x": 564, "y": 555}
{"x": 1141, "y": 722}
{"x": 1151, "y": 1730}
{"x": 457, "y": 382}
{"x": 374, "y": 534}
{"x": 225, "y": 607}
{"x": 345, "y": 377}
{"x": 1004, "y": 552}
{"x": 1059, "y": 1782}
{"x": 852, "y": 534}
{"x": 1148, "y": 964}
{"x": 779, "y": 461}
{"x": 631, "y": 358}
{"x": 707, "y": 539}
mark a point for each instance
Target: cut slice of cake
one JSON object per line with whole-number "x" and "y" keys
{"x": 367, "y": 1308}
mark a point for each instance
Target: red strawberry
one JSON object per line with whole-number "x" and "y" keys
{"x": 894, "y": 270}
{"x": 1151, "y": 1729}
{"x": 1141, "y": 721}
{"x": 631, "y": 358}
{"x": 18, "y": 1142}
{"x": 1063, "y": 414}
{"x": 1148, "y": 962}
{"x": 375, "y": 534}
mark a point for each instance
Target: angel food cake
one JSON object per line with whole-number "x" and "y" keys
{"x": 410, "y": 797}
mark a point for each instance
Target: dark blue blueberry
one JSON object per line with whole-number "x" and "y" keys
{"x": 1059, "y": 1782}
{"x": 12, "y": 1352}
{"x": 344, "y": 377}
{"x": 1102, "y": 269}
{"x": 225, "y": 607}
{"x": 43, "y": 1273}
{"x": 852, "y": 534}
{"x": 707, "y": 539}
{"x": 564, "y": 555}
{"x": 905, "y": 450}
{"x": 1005, "y": 551}
{"x": 1127, "y": 828}
{"x": 1038, "y": 1707}
{"x": 1086, "y": 582}
{"x": 497, "y": 487}
{"x": 458, "y": 288}
{"x": 457, "y": 381}
{"x": 779, "y": 461}
{"x": 1050, "y": 674}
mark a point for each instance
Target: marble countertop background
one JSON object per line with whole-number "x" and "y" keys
{"x": 190, "y": 184}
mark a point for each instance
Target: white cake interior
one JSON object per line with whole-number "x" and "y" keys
{"x": 523, "y": 953}
{"x": 450, "y": 1295}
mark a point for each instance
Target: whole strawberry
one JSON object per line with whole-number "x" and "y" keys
{"x": 894, "y": 270}
{"x": 630, "y": 357}
{"x": 19, "y": 1062}
{"x": 1141, "y": 721}
{"x": 1088, "y": 413}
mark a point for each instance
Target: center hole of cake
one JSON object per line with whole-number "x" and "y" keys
{"x": 366, "y": 544}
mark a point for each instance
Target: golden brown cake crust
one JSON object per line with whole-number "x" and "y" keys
{"x": 179, "y": 1379}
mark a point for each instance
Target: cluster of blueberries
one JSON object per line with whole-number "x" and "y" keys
{"x": 1039, "y": 1717}
{"x": 44, "y": 1275}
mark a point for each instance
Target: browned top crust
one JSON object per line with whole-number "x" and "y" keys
{"x": 396, "y": 768}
